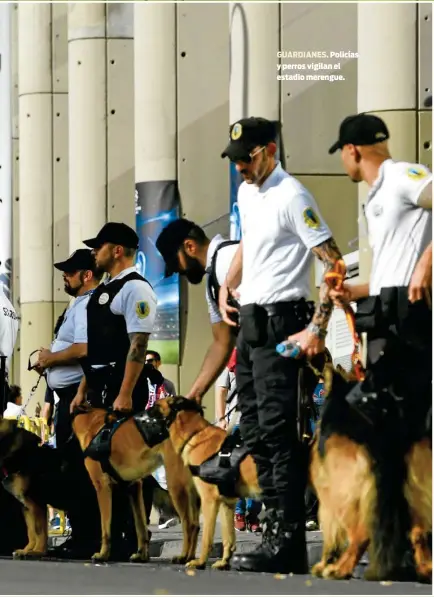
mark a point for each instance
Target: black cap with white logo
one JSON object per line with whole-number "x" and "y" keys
{"x": 246, "y": 134}
{"x": 360, "y": 129}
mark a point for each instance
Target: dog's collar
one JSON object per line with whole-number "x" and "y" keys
{"x": 187, "y": 440}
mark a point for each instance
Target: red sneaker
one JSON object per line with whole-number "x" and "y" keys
{"x": 240, "y": 522}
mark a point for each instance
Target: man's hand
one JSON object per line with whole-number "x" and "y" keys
{"x": 123, "y": 403}
{"x": 44, "y": 358}
{"x": 223, "y": 424}
{"x": 341, "y": 296}
{"x": 310, "y": 344}
{"x": 77, "y": 401}
{"x": 421, "y": 283}
{"x": 194, "y": 396}
{"x": 226, "y": 309}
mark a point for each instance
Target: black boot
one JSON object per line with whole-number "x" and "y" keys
{"x": 283, "y": 548}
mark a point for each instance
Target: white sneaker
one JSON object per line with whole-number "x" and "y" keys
{"x": 170, "y": 522}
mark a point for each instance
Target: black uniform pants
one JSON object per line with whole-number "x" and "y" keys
{"x": 63, "y": 426}
{"x": 267, "y": 396}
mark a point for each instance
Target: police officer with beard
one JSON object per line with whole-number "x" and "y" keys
{"x": 120, "y": 317}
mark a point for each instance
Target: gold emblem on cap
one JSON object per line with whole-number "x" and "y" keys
{"x": 237, "y": 131}
{"x": 380, "y": 136}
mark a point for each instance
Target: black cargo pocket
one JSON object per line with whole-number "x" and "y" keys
{"x": 254, "y": 320}
{"x": 368, "y": 315}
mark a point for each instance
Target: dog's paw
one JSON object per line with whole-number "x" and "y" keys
{"x": 317, "y": 570}
{"x": 21, "y": 554}
{"x": 179, "y": 559}
{"x": 140, "y": 556}
{"x": 334, "y": 572}
{"x": 221, "y": 565}
{"x": 100, "y": 557}
{"x": 198, "y": 564}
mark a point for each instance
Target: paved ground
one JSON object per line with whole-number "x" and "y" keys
{"x": 162, "y": 578}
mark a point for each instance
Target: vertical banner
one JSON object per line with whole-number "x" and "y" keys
{"x": 235, "y": 181}
{"x": 5, "y": 150}
{"x": 157, "y": 204}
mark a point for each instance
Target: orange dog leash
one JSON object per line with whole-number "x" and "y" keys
{"x": 335, "y": 279}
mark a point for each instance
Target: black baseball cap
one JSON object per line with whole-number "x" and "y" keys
{"x": 170, "y": 240}
{"x": 82, "y": 259}
{"x": 116, "y": 233}
{"x": 246, "y": 134}
{"x": 360, "y": 129}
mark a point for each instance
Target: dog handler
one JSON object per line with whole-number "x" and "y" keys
{"x": 187, "y": 251}
{"x": 120, "y": 317}
{"x": 395, "y": 307}
{"x": 281, "y": 232}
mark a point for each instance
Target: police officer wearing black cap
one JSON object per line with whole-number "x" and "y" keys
{"x": 120, "y": 315}
{"x": 187, "y": 250}
{"x": 61, "y": 363}
{"x": 282, "y": 230}
{"x": 63, "y": 371}
{"x": 394, "y": 308}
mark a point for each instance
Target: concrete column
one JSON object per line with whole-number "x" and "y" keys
{"x": 254, "y": 43}
{"x": 6, "y": 149}
{"x": 155, "y": 89}
{"x": 36, "y": 182}
{"x": 387, "y": 86}
{"x": 87, "y": 75}
{"x": 15, "y": 375}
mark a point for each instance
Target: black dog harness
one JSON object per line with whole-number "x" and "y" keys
{"x": 99, "y": 449}
{"x": 221, "y": 469}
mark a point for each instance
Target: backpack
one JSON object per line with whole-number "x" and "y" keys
{"x": 213, "y": 283}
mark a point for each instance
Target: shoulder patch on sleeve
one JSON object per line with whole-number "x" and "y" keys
{"x": 142, "y": 309}
{"x": 310, "y": 218}
{"x": 416, "y": 173}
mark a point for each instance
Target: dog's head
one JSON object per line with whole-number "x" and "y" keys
{"x": 13, "y": 438}
{"x": 166, "y": 409}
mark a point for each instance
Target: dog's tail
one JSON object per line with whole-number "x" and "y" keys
{"x": 161, "y": 499}
{"x": 390, "y": 520}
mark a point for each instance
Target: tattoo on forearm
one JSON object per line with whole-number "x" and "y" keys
{"x": 328, "y": 252}
{"x": 139, "y": 344}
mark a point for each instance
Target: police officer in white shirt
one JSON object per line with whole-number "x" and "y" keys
{"x": 397, "y": 316}
{"x": 187, "y": 250}
{"x": 61, "y": 362}
{"x": 282, "y": 230}
{"x": 8, "y": 336}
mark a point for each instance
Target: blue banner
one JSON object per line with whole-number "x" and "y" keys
{"x": 157, "y": 204}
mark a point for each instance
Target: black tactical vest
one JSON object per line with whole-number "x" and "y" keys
{"x": 108, "y": 344}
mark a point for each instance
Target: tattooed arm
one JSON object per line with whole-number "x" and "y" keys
{"x": 133, "y": 369}
{"x": 328, "y": 252}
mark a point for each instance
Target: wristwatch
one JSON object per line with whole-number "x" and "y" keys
{"x": 316, "y": 330}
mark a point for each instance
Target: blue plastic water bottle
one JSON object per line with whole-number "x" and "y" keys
{"x": 288, "y": 350}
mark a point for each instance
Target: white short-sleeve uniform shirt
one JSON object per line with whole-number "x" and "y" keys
{"x": 222, "y": 265}
{"x": 399, "y": 230}
{"x": 8, "y": 328}
{"x": 280, "y": 224}
{"x": 136, "y": 301}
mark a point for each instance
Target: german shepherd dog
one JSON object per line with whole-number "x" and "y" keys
{"x": 131, "y": 459}
{"x": 31, "y": 472}
{"x": 368, "y": 496}
{"x": 196, "y": 441}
